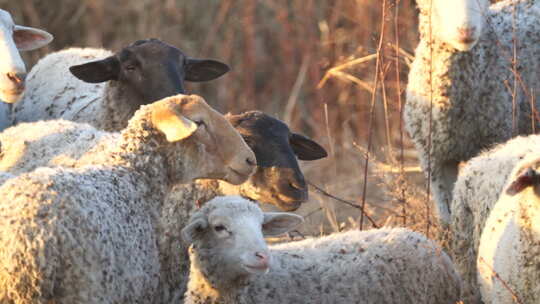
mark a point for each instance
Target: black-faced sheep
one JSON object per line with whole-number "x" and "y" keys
{"x": 105, "y": 89}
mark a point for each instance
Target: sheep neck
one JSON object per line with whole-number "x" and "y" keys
{"x": 209, "y": 285}
{"x": 120, "y": 103}
{"x": 137, "y": 149}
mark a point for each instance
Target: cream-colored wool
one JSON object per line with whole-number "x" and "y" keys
{"x": 89, "y": 234}
{"x": 509, "y": 252}
{"x": 479, "y": 186}
{"x": 375, "y": 266}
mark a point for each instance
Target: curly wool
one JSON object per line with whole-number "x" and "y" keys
{"x": 375, "y": 266}
{"x": 477, "y": 189}
{"x": 510, "y": 244}
{"x": 88, "y": 235}
{"x": 472, "y": 106}
{"x": 53, "y": 92}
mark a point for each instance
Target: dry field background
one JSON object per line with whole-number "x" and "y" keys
{"x": 335, "y": 70}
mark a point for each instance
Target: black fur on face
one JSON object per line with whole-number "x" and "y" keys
{"x": 278, "y": 176}
{"x": 149, "y": 69}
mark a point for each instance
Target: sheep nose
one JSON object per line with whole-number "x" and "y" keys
{"x": 466, "y": 34}
{"x": 262, "y": 259}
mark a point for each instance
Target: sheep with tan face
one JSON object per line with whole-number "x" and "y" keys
{"x": 464, "y": 91}
{"x": 89, "y": 234}
{"x": 104, "y": 89}
{"x": 13, "y": 39}
{"x": 277, "y": 179}
{"x": 231, "y": 263}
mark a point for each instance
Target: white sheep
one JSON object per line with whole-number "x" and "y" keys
{"x": 89, "y": 234}
{"x": 478, "y": 187}
{"x": 509, "y": 252}
{"x": 15, "y": 38}
{"x": 464, "y": 76}
{"x": 277, "y": 179}
{"x": 105, "y": 89}
{"x": 231, "y": 263}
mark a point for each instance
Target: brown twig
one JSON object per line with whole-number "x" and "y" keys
{"x": 321, "y": 191}
{"x": 371, "y": 112}
{"x": 498, "y": 277}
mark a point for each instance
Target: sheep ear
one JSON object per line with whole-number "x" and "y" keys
{"x": 198, "y": 70}
{"x": 275, "y": 223}
{"x": 29, "y": 38}
{"x": 527, "y": 178}
{"x": 97, "y": 71}
{"x": 172, "y": 124}
{"x": 193, "y": 229}
{"x": 305, "y": 148}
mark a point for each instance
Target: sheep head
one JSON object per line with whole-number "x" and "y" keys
{"x": 15, "y": 38}
{"x": 230, "y": 232}
{"x": 458, "y": 23}
{"x": 278, "y": 179}
{"x": 150, "y": 70}
{"x": 211, "y": 146}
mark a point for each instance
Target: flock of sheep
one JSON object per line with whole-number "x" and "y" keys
{"x": 116, "y": 187}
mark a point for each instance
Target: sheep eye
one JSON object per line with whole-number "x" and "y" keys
{"x": 219, "y": 228}
{"x": 200, "y": 122}
{"x": 130, "y": 68}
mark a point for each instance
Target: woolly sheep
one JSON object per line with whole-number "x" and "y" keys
{"x": 88, "y": 235}
{"x": 113, "y": 86}
{"x": 277, "y": 179}
{"x": 466, "y": 71}
{"x": 479, "y": 185}
{"x": 231, "y": 263}
{"x": 15, "y": 38}
{"x": 508, "y": 255}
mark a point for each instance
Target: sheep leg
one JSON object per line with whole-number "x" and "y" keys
{"x": 442, "y": 179}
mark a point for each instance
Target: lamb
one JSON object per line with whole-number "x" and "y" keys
{"x": 231, "y": 263}
{"x": 88, "y": 234}
{"x": 277, "y": 180}
{"x": 479, "y": 186}
{"x": 15, "y": 38}
{"x": 113, "y": 86}
{"x": 510, "y": 241}
{"x": 464, "y": 76}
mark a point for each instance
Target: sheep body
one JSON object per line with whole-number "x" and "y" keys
{"x": 53, "y": 92}
{"x": 376, "y": 266}
{"x": 88, "y": 234}
{"x": 472, "y": 107}
{"x": 510, "y": 241}
{"x": 477, "y": 189}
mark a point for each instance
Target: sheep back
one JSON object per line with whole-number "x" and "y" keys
{"x": 377, "y": 266}
{"x": 509, "y": 251}
{"x": 63, "y": 230}
{"x": 477, "y": 189}
{"x": 53, "y": 92}
{"x": 48, "y": 143}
